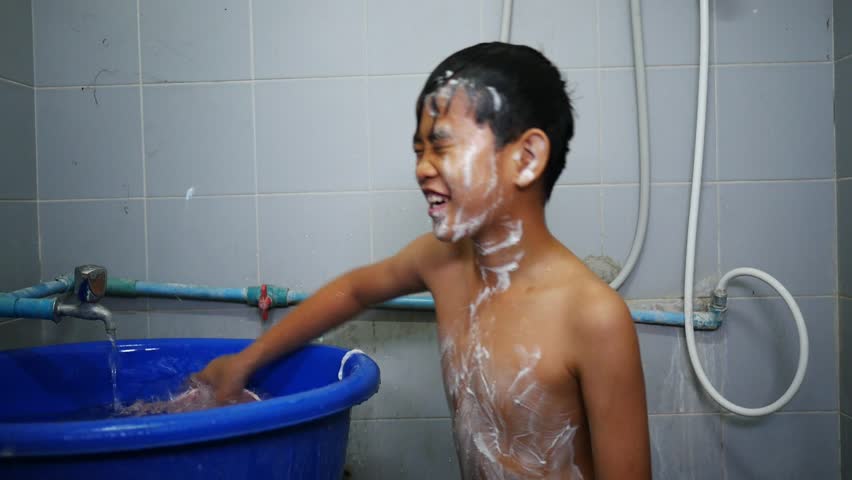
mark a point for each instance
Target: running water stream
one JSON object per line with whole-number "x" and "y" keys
{"x": 113, "y": 369}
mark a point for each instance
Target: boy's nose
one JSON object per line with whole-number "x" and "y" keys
{"x": 425, "y": 170}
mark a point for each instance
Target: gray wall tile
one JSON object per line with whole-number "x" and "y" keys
{"x": 19, "y": 265}
{"x": 659, "y": 271}
{"x": 583, "y": 162}
{"x": 619, "y": 132}
{"x": 786, "y": 229}
{"x": 844, "y": 237}
{"x": 671, "y": 124}
{"x": 556, "y": 28}
{"x": 129, "y": 325}
{"x": 324, "y": 236}
{"x": 22, "y": 333}
{"x": 843, "y": 115}
{"x": 842, "y": 28}
{"x": 492, "y": 12}
{"x": 199, "y": 140}
{"x": 204, "y": 240}
{"x": 392, "y": 122}
{"x": 763, "y": 352}
{"x": 85, "y": 42}
{"x": 89, "y": 143}
{"x": 16, "y": 41}
{"x": 686, "y": 446}
{"x": 303, "y": 39}
{"x": 407, "y": 354}
{"x": 845, "y": 447}
{"x": 766, "y": 133}
{"x": 355, "y": 333}
{"x": 391, "y": 47}
{"x": 311, "y": 135}
{"x": 385, "y": 450}
{"x": 215, "y": 322}
{"x": 770, "y": 31}
{"x": 177, "y": 46}
{"x": 845, "y": 355}
{"x": 107, "y": 233}
{"x": 767, "y": 448}
{"x": 670, "y": 31}
{"x": 670, "y": 383}
{"x": 17, "y": 142}
{"x": 398, "y": 218}
{"x": 573, "y": 216}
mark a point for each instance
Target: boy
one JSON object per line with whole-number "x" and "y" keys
{"x": 540, "y": 357}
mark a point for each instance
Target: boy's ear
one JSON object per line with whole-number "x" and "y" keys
{"x": 531, "y": 157}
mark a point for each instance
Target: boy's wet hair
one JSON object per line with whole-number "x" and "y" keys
{"x": 513, "y": 88}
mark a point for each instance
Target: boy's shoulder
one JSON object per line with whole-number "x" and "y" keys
{"x": 589, "y": 309}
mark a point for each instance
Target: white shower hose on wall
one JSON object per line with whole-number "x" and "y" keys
{"x": 695, "y": 197}
{"x": 644, "y": 148}
{"x": 689, "y": 264}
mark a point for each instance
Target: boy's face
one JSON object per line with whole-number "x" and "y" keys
{"x": 458, "y": 168}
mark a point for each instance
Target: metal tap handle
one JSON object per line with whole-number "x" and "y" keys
{"x": 90, "y": 282}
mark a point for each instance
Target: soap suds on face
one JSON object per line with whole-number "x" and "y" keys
{"x": 496, "y": 100}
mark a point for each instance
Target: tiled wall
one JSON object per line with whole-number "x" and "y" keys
{"x": 230, "y": 142}
{"x": 19, "y": 262}
{"x": 843, "y": 125}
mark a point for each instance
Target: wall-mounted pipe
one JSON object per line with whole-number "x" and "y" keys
{"x": 46, "y": 289}
{"x": 278, "y": 297}
{"x": 17, "y": 307}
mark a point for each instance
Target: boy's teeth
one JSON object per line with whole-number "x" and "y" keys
{"x": 435, "y": 199}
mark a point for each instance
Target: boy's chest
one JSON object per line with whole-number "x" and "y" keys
{"x": 505, "y": 356}
{"x": 511, "y": 395}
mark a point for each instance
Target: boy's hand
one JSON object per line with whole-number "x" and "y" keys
{"x": 227, "y": 375}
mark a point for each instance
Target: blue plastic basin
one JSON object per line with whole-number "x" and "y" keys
{"x": 299, "y": 431}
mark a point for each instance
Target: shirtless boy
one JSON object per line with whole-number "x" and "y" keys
{"x": 540, "y": 357}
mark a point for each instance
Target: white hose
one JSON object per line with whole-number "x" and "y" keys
{"x": 644, "y": 143}
{"x": 644, "y": 148}
{"x": 689, "y": 263}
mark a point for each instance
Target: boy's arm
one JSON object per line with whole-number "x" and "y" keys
{"x": 333, "y": 304}
{"x": 340, "y": 300}
{"x": 610, "y": 372}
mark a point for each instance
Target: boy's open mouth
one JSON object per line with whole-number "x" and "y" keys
{"x": 437, "y": 202}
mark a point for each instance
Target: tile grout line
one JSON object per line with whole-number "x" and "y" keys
{"x": 599, "y": 80}
{"x": 15, "y": 82}
{"x": 408, "y": 190}
{"x": 39, "y": 246}
{"x": 836, "y": 255}
{"x": 144, "y": 161}
{"x": 415, "y": 74}
{"x": 715, "y": 77}
{"x": 714, "y": 62}
{"x": 254, "y": 140}
{"x": 370, "y": 213}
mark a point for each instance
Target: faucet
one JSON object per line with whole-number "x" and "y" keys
{"x": 90, "y": 283}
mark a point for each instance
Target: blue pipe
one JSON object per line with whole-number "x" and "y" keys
{"x": 60, "y": 285}
{"x": 15, "y": 307}
{"x": 701, "y": 320}
{"x": 280, "y": 297}
{"x": 194, "y": 292}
